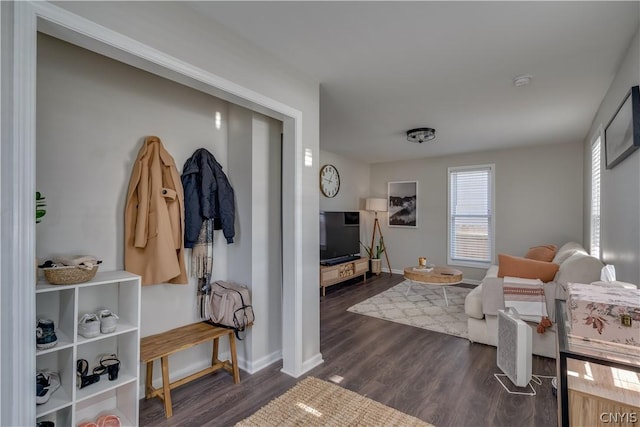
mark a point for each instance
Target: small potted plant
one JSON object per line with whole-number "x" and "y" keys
{"x": 40, "y": 205}
{"x": 375, "y": 256}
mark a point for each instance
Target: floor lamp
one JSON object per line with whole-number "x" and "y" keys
{"x": 377, "y": 205}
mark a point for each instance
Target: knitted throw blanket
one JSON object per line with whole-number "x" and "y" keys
{"x": 202, "y": 265}
{"x": 527, "y": 297}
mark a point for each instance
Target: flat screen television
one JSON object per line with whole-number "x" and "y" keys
{"x": 339, "y": 236}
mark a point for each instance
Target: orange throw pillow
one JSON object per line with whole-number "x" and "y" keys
{"x": 542, "y": 253}
{"x": 525, "y": 268}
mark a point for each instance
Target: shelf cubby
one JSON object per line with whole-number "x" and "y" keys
{"x": 118, "y": 291}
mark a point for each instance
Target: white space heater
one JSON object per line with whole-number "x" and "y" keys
{"x": 514, "y": 347}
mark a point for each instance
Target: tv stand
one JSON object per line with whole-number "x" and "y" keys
{"x": 339, "y": 260}
{"x": 338, "y": 273}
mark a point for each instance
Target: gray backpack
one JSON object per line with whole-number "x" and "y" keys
{"x": 230, "y": 306}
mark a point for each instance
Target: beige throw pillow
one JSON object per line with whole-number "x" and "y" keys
{"x": 526, "y": 268}
{"x": 542, "y": 253}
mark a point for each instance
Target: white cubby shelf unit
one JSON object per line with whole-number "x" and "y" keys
{"x": 118, "y": 291}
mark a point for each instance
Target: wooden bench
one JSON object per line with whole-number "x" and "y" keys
{"x": 160, "y": 346}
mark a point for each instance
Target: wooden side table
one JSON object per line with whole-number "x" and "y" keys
{"x": 443, "y": 276}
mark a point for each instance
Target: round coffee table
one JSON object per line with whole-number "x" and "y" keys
{"x": 443, "y": 276}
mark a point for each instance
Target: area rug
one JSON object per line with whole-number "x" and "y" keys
{"x": 424, "y": 307}
{"x": 313, "y": 402}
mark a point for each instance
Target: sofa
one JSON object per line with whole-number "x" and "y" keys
{"x": 483, "y": 302}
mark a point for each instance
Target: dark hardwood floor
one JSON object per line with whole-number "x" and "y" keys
{"x": 442, "y": 379}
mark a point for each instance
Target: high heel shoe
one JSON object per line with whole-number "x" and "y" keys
{"x": 83, "y": 379}
{"x": 109, "y": 364}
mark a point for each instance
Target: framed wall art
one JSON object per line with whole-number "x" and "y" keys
{"x": 403, "y": 203}
{"x": 622, "y": 134}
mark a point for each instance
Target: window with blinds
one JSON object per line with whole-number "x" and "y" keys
{"x": 471, "y": 223}
{"x": 595, "y": 197}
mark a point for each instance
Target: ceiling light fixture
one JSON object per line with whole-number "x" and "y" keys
{"x": 421, "y": 135}
{"x": 522, "y": 80}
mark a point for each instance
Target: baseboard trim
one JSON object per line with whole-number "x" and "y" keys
{"x": 244, "y": 364}
{"x": 312, "y": 362}
{"x": 178, "y": 373}
{"x": 307, "y": 365}
{"x": 263, "y": 362}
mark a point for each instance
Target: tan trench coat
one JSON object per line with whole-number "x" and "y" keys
{"x": 154, "y": 217}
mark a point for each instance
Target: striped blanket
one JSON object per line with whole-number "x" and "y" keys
{"x": 526, "y": 296}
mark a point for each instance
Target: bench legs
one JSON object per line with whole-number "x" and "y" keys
{"x": 167, "y": 385}
{"x": 233, "y": 369}
{"x": 165, "y": 394}
{"x": 234, "y": 359}
{"x": 148, "y": 385}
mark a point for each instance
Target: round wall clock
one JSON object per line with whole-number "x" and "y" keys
{"x": 329, "y": 180}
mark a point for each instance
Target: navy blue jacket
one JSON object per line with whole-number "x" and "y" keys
{"x": 207, "y": 195}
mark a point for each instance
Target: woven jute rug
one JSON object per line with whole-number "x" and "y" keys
{"x": 313, "y": 402}
{"x": 423, "y": 307}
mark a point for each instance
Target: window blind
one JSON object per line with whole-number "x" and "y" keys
{"x": 470, "y": 215}
{"x": 595, "y": 198}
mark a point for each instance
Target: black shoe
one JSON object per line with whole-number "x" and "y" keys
{"x": 109, "y": 364}
{"x": 45, "y": 334}
{"x": 82, "y": 379}
{"x": 46, "y": 383}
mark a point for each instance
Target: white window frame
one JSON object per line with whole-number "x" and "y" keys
{"x": 595, "y": 199}
{"x": 491, "y": 214}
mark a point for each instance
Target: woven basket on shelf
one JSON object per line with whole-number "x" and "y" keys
{"x": 68, "y": 275}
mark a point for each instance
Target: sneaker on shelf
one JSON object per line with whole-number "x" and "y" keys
{"x": 46, "y": 383}
{"x": 108, "y": 321}
{"x": 45, "y": 424}
{"x": 45, "y": 334}
{"x": 89, "y": 325}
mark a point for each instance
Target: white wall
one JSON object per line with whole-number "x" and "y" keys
{"x": 266, "y": 257}
{"x": 85, "y": 182}
{"x": 93, "y": 114}
{"x": 620, "y": 186}
{"x": 256, "y": 261}
{"x": 538, "y": 201}
{"x": 7, "y": 329}
{"x": 240, "y": 135}
{"x": 175, "y": 29}
{"x": 354, "y": 183}
{"x": 354, "y": 190}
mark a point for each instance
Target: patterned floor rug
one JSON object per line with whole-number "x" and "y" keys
{"x": 424, "y": 307}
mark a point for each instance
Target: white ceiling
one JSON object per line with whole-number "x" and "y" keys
{"x": 386, "y": 67}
